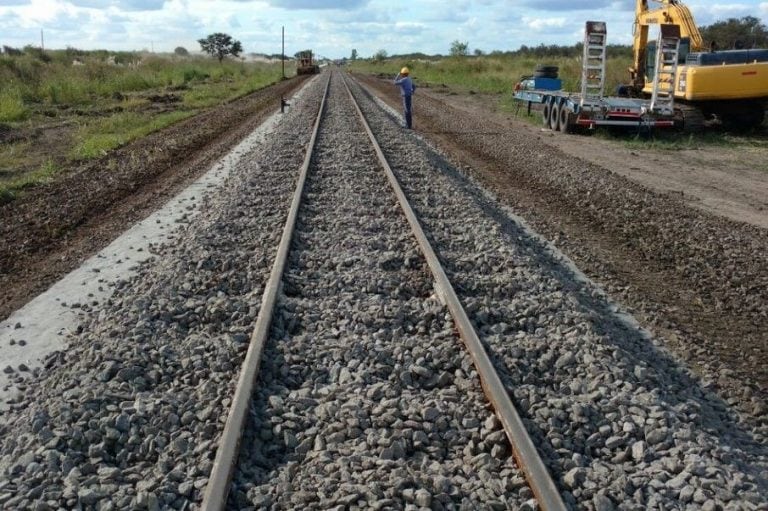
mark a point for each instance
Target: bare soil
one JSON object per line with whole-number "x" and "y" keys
{"x": 52, "y": 228}
{"x": 691, "y": 266}
{"x": 730, "y": 181}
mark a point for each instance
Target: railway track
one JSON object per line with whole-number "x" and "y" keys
{"x": 364, "y": 397}
{"x": 363, "y": 366}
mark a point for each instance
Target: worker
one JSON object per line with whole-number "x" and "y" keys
{"x": 406, "y": 91}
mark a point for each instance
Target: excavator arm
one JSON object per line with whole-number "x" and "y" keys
{"x": 670, "y": 12}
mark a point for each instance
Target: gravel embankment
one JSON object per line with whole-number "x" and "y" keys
{"x": 698, "y": 280}
{"x": 622, "y": 423}
{"x": 128, "y": 416}
{"x": 366, "y": 397}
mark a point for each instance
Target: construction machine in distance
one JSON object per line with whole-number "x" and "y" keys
{"x": 728, "y": 87}
{"x": 305, "y": 64}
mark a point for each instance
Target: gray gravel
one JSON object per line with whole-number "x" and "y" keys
{"x": 622, "y": 423}
{"x": 367, "y": 399}
{"x": 128, "y": 416}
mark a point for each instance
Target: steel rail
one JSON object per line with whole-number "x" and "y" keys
{"x": 525, "y": 452}
{"x": 217, "y": 490}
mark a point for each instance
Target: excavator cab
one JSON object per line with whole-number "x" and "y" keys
{"x": 650, "y": 57}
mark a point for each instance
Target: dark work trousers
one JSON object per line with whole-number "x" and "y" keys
{"x": 407, "y": 113}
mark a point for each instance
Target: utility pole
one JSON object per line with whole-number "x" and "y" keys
{"x": 42, "y": 40}
{"x": 282, "y": 55}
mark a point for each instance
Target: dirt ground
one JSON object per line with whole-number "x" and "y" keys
{"x": 727, "y": 181}
{"x": 52, "y": 228}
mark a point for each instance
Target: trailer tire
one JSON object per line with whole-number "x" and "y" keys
{"x": 564, "y": 119}
{"x": 546, "y": 111}
{"x": 554, "y": 115}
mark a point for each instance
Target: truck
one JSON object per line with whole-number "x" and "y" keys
{"x": 727, "y": 87}
{"x": 567, "y": 111}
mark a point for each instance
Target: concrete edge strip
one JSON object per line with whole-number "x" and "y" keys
{"x": 525, "y": 452}
{"x": 217, "y": 490}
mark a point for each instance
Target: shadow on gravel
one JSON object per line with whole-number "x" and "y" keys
{"x": 677, "y": 389}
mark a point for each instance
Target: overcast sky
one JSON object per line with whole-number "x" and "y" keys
{"x": 331, "y": 27}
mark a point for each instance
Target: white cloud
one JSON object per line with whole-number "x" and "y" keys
{"x": 544, "y": 23}
{"x": 123, "y": 5}
{"x": 568, "y": 5}
{"x": 726, "y": 10}
{"x": 318, "y": 4}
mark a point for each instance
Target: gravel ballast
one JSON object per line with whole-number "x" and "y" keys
{"x": 621, "y": 422}
{"x": 366, "y": 397}
{"x": 128, "y": 416}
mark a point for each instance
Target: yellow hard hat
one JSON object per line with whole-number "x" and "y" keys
{"x": 405, "y": 71}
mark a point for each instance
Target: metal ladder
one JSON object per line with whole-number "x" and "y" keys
{"x": 667, "y": 49}
{"x": 593, "y": 63}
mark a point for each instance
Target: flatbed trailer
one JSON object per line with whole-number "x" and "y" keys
{"x": 565, "y": 111}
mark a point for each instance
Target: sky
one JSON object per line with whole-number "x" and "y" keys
{"x": 330, "y": 27}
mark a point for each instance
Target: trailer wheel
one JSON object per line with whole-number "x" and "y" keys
{"x": 564, "y": 123}
{"x": 554, "y": 115}
{"x": 545, "y": 113}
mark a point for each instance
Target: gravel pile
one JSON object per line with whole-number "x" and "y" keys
{"x": 622, "y": 424}
{"x": 128, "y": 416}
{"x": 366, "y": 398}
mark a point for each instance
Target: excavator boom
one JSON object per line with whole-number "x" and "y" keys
{"x": 669, "y": 12}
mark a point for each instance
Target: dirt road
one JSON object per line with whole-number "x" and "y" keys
{"x": 725, "y": 180}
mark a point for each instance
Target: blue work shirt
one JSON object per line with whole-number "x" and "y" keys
{"x": 406, "y": 85}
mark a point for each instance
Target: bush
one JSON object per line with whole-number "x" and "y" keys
{"x": 194, "y": 74}
{"x": 12, "y": 106}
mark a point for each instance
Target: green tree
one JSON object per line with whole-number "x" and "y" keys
{"x": 354, "y": 55}
{"x": 746, "y": 32}
{"x": 459, "y": 49}
{"x": 478, "y": 52}
{"x": 380, "y": 55}
{"x": 181, "y": 51}
{"x": 220, "y": 45}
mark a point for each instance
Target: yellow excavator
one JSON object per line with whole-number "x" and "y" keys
{"x": 728, "y": 87}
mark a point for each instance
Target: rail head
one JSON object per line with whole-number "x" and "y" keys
{"x": 217, "y": 490}
{"x": 523, "y": 448}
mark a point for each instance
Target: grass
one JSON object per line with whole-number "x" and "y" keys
{"x": 107, "y": 98}
{"x": 91, "y": 79}
{"x": 12, "y": 106}
{"x": 497, "y": 74}
{"x": 95, "y": 139}
{"x": 491, "y": 74}
{"x": 10, "y": 188}
{"x": 666, "y": 140}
